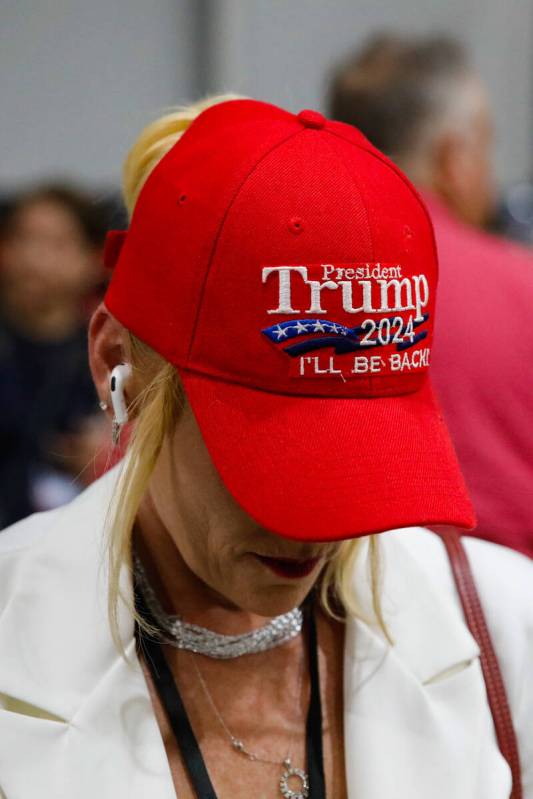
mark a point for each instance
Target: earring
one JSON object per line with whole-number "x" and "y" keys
{"x": 118, "y": 378}
{"x": 103, "y": 405}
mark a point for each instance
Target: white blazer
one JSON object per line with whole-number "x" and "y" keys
{"x": 76, "y": 721}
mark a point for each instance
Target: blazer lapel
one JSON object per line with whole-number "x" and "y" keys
{"x": 68, "y": 698}
{"x": 417, "y": 722}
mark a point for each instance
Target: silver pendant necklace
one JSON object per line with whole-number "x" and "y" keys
{"x": 199, "y": 640}
{"x": 289, "y": 775}
{"x": 202, "y": 641}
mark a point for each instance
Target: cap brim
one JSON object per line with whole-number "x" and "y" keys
{"x": 324, "y": 469}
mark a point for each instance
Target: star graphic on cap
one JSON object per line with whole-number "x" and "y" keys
{"x": 300, "y": 328}
{"x": 319, "y": 327}
{"x": 334, "y": 328}
{"x": 280, "y": 332}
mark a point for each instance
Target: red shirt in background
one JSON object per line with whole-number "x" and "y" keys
{"x": 482, "y": 369}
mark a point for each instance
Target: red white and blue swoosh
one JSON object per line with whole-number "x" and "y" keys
{"x": 317, "y": 334}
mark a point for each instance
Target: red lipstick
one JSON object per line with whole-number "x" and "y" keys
{"x": 291, "y": 568}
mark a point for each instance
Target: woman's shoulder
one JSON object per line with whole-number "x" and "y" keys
{"x": 62, "y": 533}
{"x": 24, "y": 533}
{"x": 504, "y": 582}
{"x": 18, "y": 542}
{"x": 504, "y": 577}
{"x": 28, "y": 531}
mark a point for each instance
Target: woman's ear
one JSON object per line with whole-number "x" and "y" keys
{"x": 108, "y": 347}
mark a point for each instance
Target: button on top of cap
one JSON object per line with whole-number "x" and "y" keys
{"x": 311, "y": 119}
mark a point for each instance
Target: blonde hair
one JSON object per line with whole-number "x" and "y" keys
{"x": 156, "y": 409}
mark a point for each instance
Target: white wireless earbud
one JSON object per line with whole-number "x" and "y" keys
{"x": 119, "y": 376}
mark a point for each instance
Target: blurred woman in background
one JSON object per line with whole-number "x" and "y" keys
{"x": 50, "y": 268}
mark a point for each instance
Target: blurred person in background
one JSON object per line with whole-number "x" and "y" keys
{"x": 421, "y": 102}
{"x": 50, "y": 269}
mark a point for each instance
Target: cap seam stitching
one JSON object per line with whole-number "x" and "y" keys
{"x": 220, "y": 229}
{"x": 405, "y": 180}
{"x": 352, "y": 179}
{"x": 361, "y": 194}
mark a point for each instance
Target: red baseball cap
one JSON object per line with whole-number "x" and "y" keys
{"x": 288, "y": 271}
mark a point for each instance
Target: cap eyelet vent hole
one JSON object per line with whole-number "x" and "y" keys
{"x": 182, "y": 199}
{"x": 296, "y": 225}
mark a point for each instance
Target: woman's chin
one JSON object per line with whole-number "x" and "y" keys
{"x": 274, "y": 599}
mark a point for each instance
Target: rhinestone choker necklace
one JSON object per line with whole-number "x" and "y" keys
{"x": 202, "y": 641}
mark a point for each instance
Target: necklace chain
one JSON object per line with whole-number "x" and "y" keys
{"x": 202, "y": 641}
{"x": 236, "y": 743}
{"x": 199, "y": 640}
{"x": 289, "y": 771}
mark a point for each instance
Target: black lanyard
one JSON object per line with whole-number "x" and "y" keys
{"x": 179, "y": 721}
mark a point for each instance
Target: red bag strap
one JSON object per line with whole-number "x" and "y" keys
{"x": 477, "y": 625}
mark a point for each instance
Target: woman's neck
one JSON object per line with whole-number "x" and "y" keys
{"x": 178, "y": 589}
